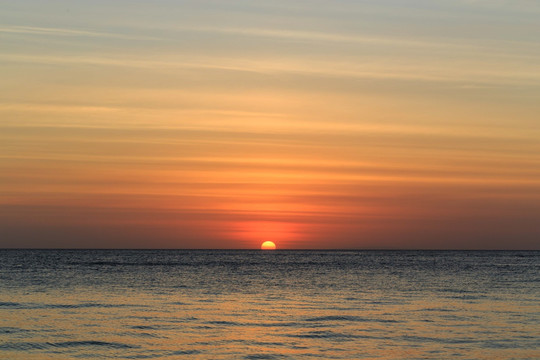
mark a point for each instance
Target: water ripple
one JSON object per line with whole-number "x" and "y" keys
{"x": 28, "y": 306}
{"x": 249, "y": 305}
{"x": 186, "y": 352}
{"x": 350, "y": 318}
{"x": 64, "y": 344}
{"x": 265, "y": 356}
{"x": 325, "y": 334}
{"x": 12, "y": 330}
{"x": 8, "y": 304}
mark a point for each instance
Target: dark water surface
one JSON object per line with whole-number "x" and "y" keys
{"x": 63, "y": 304}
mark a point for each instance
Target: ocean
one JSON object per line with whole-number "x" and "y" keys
{"x": 168, "y": 304}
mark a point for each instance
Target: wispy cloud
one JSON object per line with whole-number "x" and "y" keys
{"x": 47, "y": 31}
{"x": 312, "y": 36}
{"x": 310, "y": 67}
{"x": 427, "y": 42}
{"x": 171, "y": 34}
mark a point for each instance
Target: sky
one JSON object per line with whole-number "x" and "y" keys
{"x": 322, "y": 124}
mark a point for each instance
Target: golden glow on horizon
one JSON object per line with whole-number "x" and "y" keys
{"x": 268, "y": 245}
{"x": 287, "y": 234}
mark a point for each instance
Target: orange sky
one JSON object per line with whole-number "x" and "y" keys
{"x": 223, "y": 124}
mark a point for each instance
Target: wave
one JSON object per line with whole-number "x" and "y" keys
{"x": 348, "y": 318}
{"x": 85, "y": 305}
{"x": 441, "y": 340}
{"x": 171, "y": 263}
{"x": 335, "y": 318}
{"x": 312, "y": 320}
{"x": 65, "y": 344}
{"x": 12, "y": 330}
{"x": 324, "y": 334}
{"x": 8, "y": 304}
{"x": 468, "y": 297}
{"x": 227, "y": 323}
{"x": 14, "y": 305}
{"x": 277, "y": 324}
{"x": 264, "y": 356}
{"x": 185, "y": 352}
{"x": 144, "y": 327}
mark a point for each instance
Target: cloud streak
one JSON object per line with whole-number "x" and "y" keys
{"x": 315, "y": 68}
{"x": 48, "y": 31}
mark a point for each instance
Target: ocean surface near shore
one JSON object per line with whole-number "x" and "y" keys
{"x": 202, "y": 304}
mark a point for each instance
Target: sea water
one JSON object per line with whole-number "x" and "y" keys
{"x": 106, "y": 304}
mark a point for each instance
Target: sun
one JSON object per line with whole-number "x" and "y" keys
{"x": 268, "y": 245}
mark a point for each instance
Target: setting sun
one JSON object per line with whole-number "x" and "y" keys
{"x": 268, "y": 245}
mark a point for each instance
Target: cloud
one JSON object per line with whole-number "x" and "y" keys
{"x": 339, "y": 69}
{"x": 47, "y": 31}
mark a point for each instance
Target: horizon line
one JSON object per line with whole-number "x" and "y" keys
{"x": 257, "y": 249}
